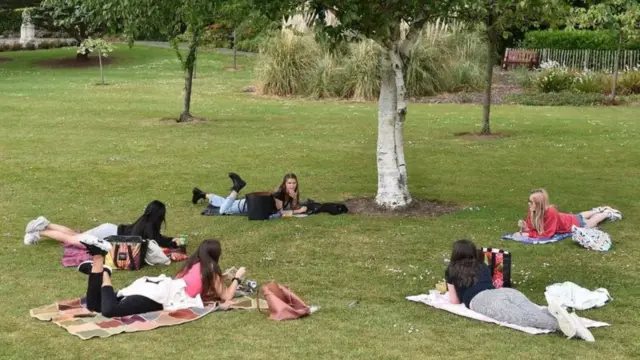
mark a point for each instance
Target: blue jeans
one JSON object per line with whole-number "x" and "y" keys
{"x": 229, "y": 205}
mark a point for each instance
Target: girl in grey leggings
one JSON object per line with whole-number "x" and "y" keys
{"x": 469, "y": 282}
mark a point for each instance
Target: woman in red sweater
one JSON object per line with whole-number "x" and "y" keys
{"x": 544, "y": 221}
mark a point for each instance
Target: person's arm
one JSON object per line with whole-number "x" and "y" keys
{"x": 453, "y": 295}
{"x": 300, "y": 210}
{"x": 227, "y": 293}
{"x": 167, "y": 242}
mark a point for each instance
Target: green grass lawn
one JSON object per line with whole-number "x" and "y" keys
{"x": 83, "y": 154}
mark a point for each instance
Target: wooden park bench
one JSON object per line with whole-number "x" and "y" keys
{"x": 514, "y": 57}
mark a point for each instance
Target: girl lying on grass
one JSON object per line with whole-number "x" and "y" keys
{"x": 469, "y": 282}
{"x": 544, "y": 221}
{"x": 200, "y": 278}
{"x": 286, "y": 198}
{"x": 147, "y": 226}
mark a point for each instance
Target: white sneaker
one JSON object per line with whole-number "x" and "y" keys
{"x": 581, "y": 331}
{"x": 31, "y": 238}
{"x": 566, "y": 322}
{"x": 95, "y": 244}
{"x": 613, "y": 214}
{"x": 38, "y": 224}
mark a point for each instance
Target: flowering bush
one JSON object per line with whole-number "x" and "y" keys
{"x": 589, "y": 82}
{"x": 629, "y": 82}
{"x": 554, "y": 80}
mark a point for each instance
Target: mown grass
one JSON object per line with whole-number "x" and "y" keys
{"x": 83, "y": 154}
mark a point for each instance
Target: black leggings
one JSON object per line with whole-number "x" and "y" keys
{"x": 103, "y": 299}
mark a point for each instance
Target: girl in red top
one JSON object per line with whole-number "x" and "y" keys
{"x": 544, "y": 221}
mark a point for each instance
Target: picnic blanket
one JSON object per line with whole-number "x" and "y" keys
{"x": 535, "y": 241}
{"x": 441, "y": 301}
{"x": 74, "y": 316}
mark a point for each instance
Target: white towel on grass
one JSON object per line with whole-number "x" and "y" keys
{"x": 571, "y": 295}
{"x": 441, "y": 301}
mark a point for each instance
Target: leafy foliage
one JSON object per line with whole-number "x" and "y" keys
{"x": 74, "y": 17}
{"x": 578, "y": 40}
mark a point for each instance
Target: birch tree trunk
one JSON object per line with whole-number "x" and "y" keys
{"x": 401, "y": 113}
{"x": 188, "y": 81}
{"x": 393, "y": 192}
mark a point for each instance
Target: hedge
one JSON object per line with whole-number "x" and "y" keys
{"x": 570, "y": 40}
{"x": 10, "y": 21}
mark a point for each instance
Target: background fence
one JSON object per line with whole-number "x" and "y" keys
{"x": 595, "y": 60}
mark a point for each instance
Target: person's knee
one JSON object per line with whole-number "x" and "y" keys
{"x": 109, "y": 312}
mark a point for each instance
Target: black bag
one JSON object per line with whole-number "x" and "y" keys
{"x": 260, "y": 205}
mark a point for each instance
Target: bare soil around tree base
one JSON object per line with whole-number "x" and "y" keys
{"x": 73, "y": 63}
{"x": 419, "y": 207}
{"x": 4, "y": 59}
{"x": 191, "y": 120}
{"x": 479, "y": 136}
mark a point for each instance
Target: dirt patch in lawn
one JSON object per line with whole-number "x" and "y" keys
{"x": 4, "y": 59}
{"x": 73, "y": 63}
{"x": 191, "y": 120}
{"x": 479, "y": 136}
{"x": 419, "y": 207}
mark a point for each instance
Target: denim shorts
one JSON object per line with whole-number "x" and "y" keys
{"x": 581, "y": 220}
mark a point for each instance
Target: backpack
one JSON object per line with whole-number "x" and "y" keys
{"x": 127, "y": 252}
{"x": 593, "y": 239}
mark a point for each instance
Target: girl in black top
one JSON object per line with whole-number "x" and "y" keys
{"x": 147, "y": 226}
{"x": 286, "y": 198}
{"x": 469, "y": 282}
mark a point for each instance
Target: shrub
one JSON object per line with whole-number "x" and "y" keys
{"x": 629, "y": 82}
{"x": 578, "y": 39}
{"x": 556, "y": 99}
{"x": 287, "y": 62}
{"x": 16, "y": 46}
{"x": 446, "y": 58}
{"x": 4, "y": 47}
{"x": 361, "y": 80}
{"x": 325, "y": 79}
{"x": 30, "y": 45}
{"x": 590, "y": 82}
{"x": 554, "y": 80}
{"x": 44, "y": 45}
{"x": 524, "y": 77}
{"x": 10, "y": 20}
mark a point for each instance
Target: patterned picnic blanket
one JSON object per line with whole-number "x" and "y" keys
{"x": 536, "y": 241}
{"x": 74, "y": 316}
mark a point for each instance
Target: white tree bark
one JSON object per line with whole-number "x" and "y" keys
{"x": 401, "y": 111}
{"x": 393, "y": 192}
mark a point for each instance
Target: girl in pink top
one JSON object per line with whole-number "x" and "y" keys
{"x": 544, "y": 221}
{"x": 203, "y": 276}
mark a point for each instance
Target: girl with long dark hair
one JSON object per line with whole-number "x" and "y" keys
{"x": 200, "y": 278}
{"x": 147, "y": 226}
{"x": 286, "y": 198}
{"x": 469, "y": 282}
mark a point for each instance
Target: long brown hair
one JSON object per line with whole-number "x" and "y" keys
{"x": 283, "y": 188}
{"x": 541, "y": 204}
{"x": 208, "y": 255}
{"x": 464, "y": 263}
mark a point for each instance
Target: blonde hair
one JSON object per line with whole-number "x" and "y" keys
{"x": 540, "y": 199}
